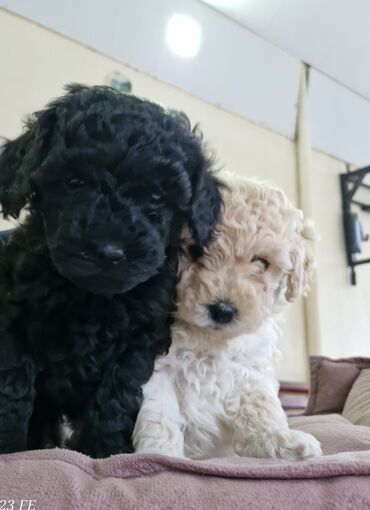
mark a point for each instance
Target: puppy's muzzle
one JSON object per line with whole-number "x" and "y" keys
{"x": 222, "y": 312}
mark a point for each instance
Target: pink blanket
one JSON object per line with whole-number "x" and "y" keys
{"x": 61, "y": 479}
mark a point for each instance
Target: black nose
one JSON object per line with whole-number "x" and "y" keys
{"x": 111, "y": 252}
{"x": 222, "y": 312}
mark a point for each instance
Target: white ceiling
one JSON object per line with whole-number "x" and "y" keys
{"x": 339, "y": 120}
{"x": 331, "y": 35}
{"x": 133, "y": 31}
{"x": 249, "y": 60}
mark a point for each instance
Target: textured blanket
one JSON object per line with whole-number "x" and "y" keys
{"x": 61, "y": 479}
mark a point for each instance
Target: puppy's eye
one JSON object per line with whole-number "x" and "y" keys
{"x": 75, "y": 183}
{"x": 156, "y": 198}
{"x": 265, "y": 263}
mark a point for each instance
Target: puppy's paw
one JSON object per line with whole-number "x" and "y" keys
{"x": 283, "y": 444}
{"x": 295, "y": 444}
{"x": 162, "y": 437}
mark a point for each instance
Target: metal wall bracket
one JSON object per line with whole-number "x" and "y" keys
{"x": 350, "y": 183}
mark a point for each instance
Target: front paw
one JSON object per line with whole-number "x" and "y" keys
{"x": 283, "y": 444}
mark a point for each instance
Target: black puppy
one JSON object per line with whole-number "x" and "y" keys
{"x": 87, "y": 283}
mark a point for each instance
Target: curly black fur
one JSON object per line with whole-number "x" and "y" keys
{"x": 87, "y": 282}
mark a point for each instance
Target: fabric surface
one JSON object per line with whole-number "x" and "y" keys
{"x": 335, "y": 433}
{"x": 62, "y": 479}
{"x": 331, "y": 381}
{"x": 357, "y": 406}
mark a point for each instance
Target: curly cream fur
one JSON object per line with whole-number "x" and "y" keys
{"x": 215, "y": 393}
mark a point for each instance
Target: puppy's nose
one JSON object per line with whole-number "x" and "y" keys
{"x": 111, "y": 252}
{"x": 222, "y": 312}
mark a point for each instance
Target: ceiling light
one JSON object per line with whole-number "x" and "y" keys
{"x": 183, "y": 35}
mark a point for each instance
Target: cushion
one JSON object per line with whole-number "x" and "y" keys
{"x": 335, "y": 433}
{"x": 357, "y": 406}
{"x": 331, "y": 381}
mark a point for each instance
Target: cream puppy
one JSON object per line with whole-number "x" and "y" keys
{"x": 216, "y": 393}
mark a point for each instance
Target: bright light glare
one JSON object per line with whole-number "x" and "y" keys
{"x": 227, "y": 3}
{"x": 183, "y": 35}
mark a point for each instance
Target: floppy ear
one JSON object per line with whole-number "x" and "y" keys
{"x": 303, "y": 260}
{"x": 205, "y": 210}
{"x": 19, "y": 159}
{"x": 13, "y": 173}
{"x": 206, "y": 199}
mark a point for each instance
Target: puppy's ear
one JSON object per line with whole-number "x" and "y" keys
{"x": 15, "y": 164}
{"x": 303, "y": 262}
{"x": 205, "y": 210}
{"x": 19, "y": 159}
{"x": 206, "y": 201}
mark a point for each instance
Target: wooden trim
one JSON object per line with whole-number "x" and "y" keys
{"x": 294, "y": 387}
{"x": 293, "y": 395}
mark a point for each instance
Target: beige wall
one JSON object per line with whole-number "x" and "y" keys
{"x": 35, "y": 63}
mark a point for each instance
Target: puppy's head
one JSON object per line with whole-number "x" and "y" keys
{"x": 261, "y": 259}
{"x": 113, "y": 178}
